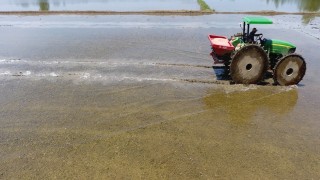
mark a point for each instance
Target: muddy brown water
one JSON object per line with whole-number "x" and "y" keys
{"x": 107, "y": 98}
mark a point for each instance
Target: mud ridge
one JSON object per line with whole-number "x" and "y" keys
{"x": 161, "y": 12}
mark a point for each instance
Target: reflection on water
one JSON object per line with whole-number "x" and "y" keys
{"x": 309, "y": 5}
{"x": 241, "y": 107}
{"x": 44, "y": 5}
{"x": 139, "y": 5}
{"x": 303, "y": 6}
{"x": 97, "y": 5}
{"x": 269, "y": 5}
{"x": 221, "y": 73}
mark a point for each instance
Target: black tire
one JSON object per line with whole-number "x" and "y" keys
{"x": 249, "y": 65}
{"x": 289, "y": 70}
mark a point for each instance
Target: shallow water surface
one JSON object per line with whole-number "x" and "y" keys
{"x": 117, "y": 97}
{"x": 65, "y": 130}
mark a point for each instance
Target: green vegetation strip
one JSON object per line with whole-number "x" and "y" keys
{"x": 204, "y": 6}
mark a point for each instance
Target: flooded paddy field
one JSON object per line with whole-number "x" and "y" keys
{"x": 135, "y": 97}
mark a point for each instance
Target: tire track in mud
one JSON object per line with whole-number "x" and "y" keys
{"x": 93, "y": 71}
{"x": 106, "y": 71}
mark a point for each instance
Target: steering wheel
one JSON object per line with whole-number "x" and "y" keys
{"x": 259, "y": 38}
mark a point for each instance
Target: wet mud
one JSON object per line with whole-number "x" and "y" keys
{"x": 155, "y": 130}
{"x": 117, "y": 97}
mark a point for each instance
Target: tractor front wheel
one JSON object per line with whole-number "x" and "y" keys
{"x": 289, "y": 70}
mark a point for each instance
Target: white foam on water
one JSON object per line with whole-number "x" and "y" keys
{"x": 238, "y": 88}
{"x": 289, "y": 88}
{"x": 106, "y": 63}
{"x": 6, "y": 61}
{"x": 85, "y": 76}
{"x": 139, "y": 79}
{"x": 27, "y": 73}
{"x": 41, "y": 75}
{"x": 128, "y": 25}
{"x": 53, "y": 74}
{"x": 97, "y": 77}
{"x": 6, "y": 73}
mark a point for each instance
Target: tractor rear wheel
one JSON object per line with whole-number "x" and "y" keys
{"x": 249, "y": 65}
{"x": 289, "y": 70}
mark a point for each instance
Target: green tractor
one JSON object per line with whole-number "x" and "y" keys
{"x": 248, "y": 57}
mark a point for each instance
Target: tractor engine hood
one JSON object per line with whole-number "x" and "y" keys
{"x": 282, "y": 43}
{"x": 279, "y": 46}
